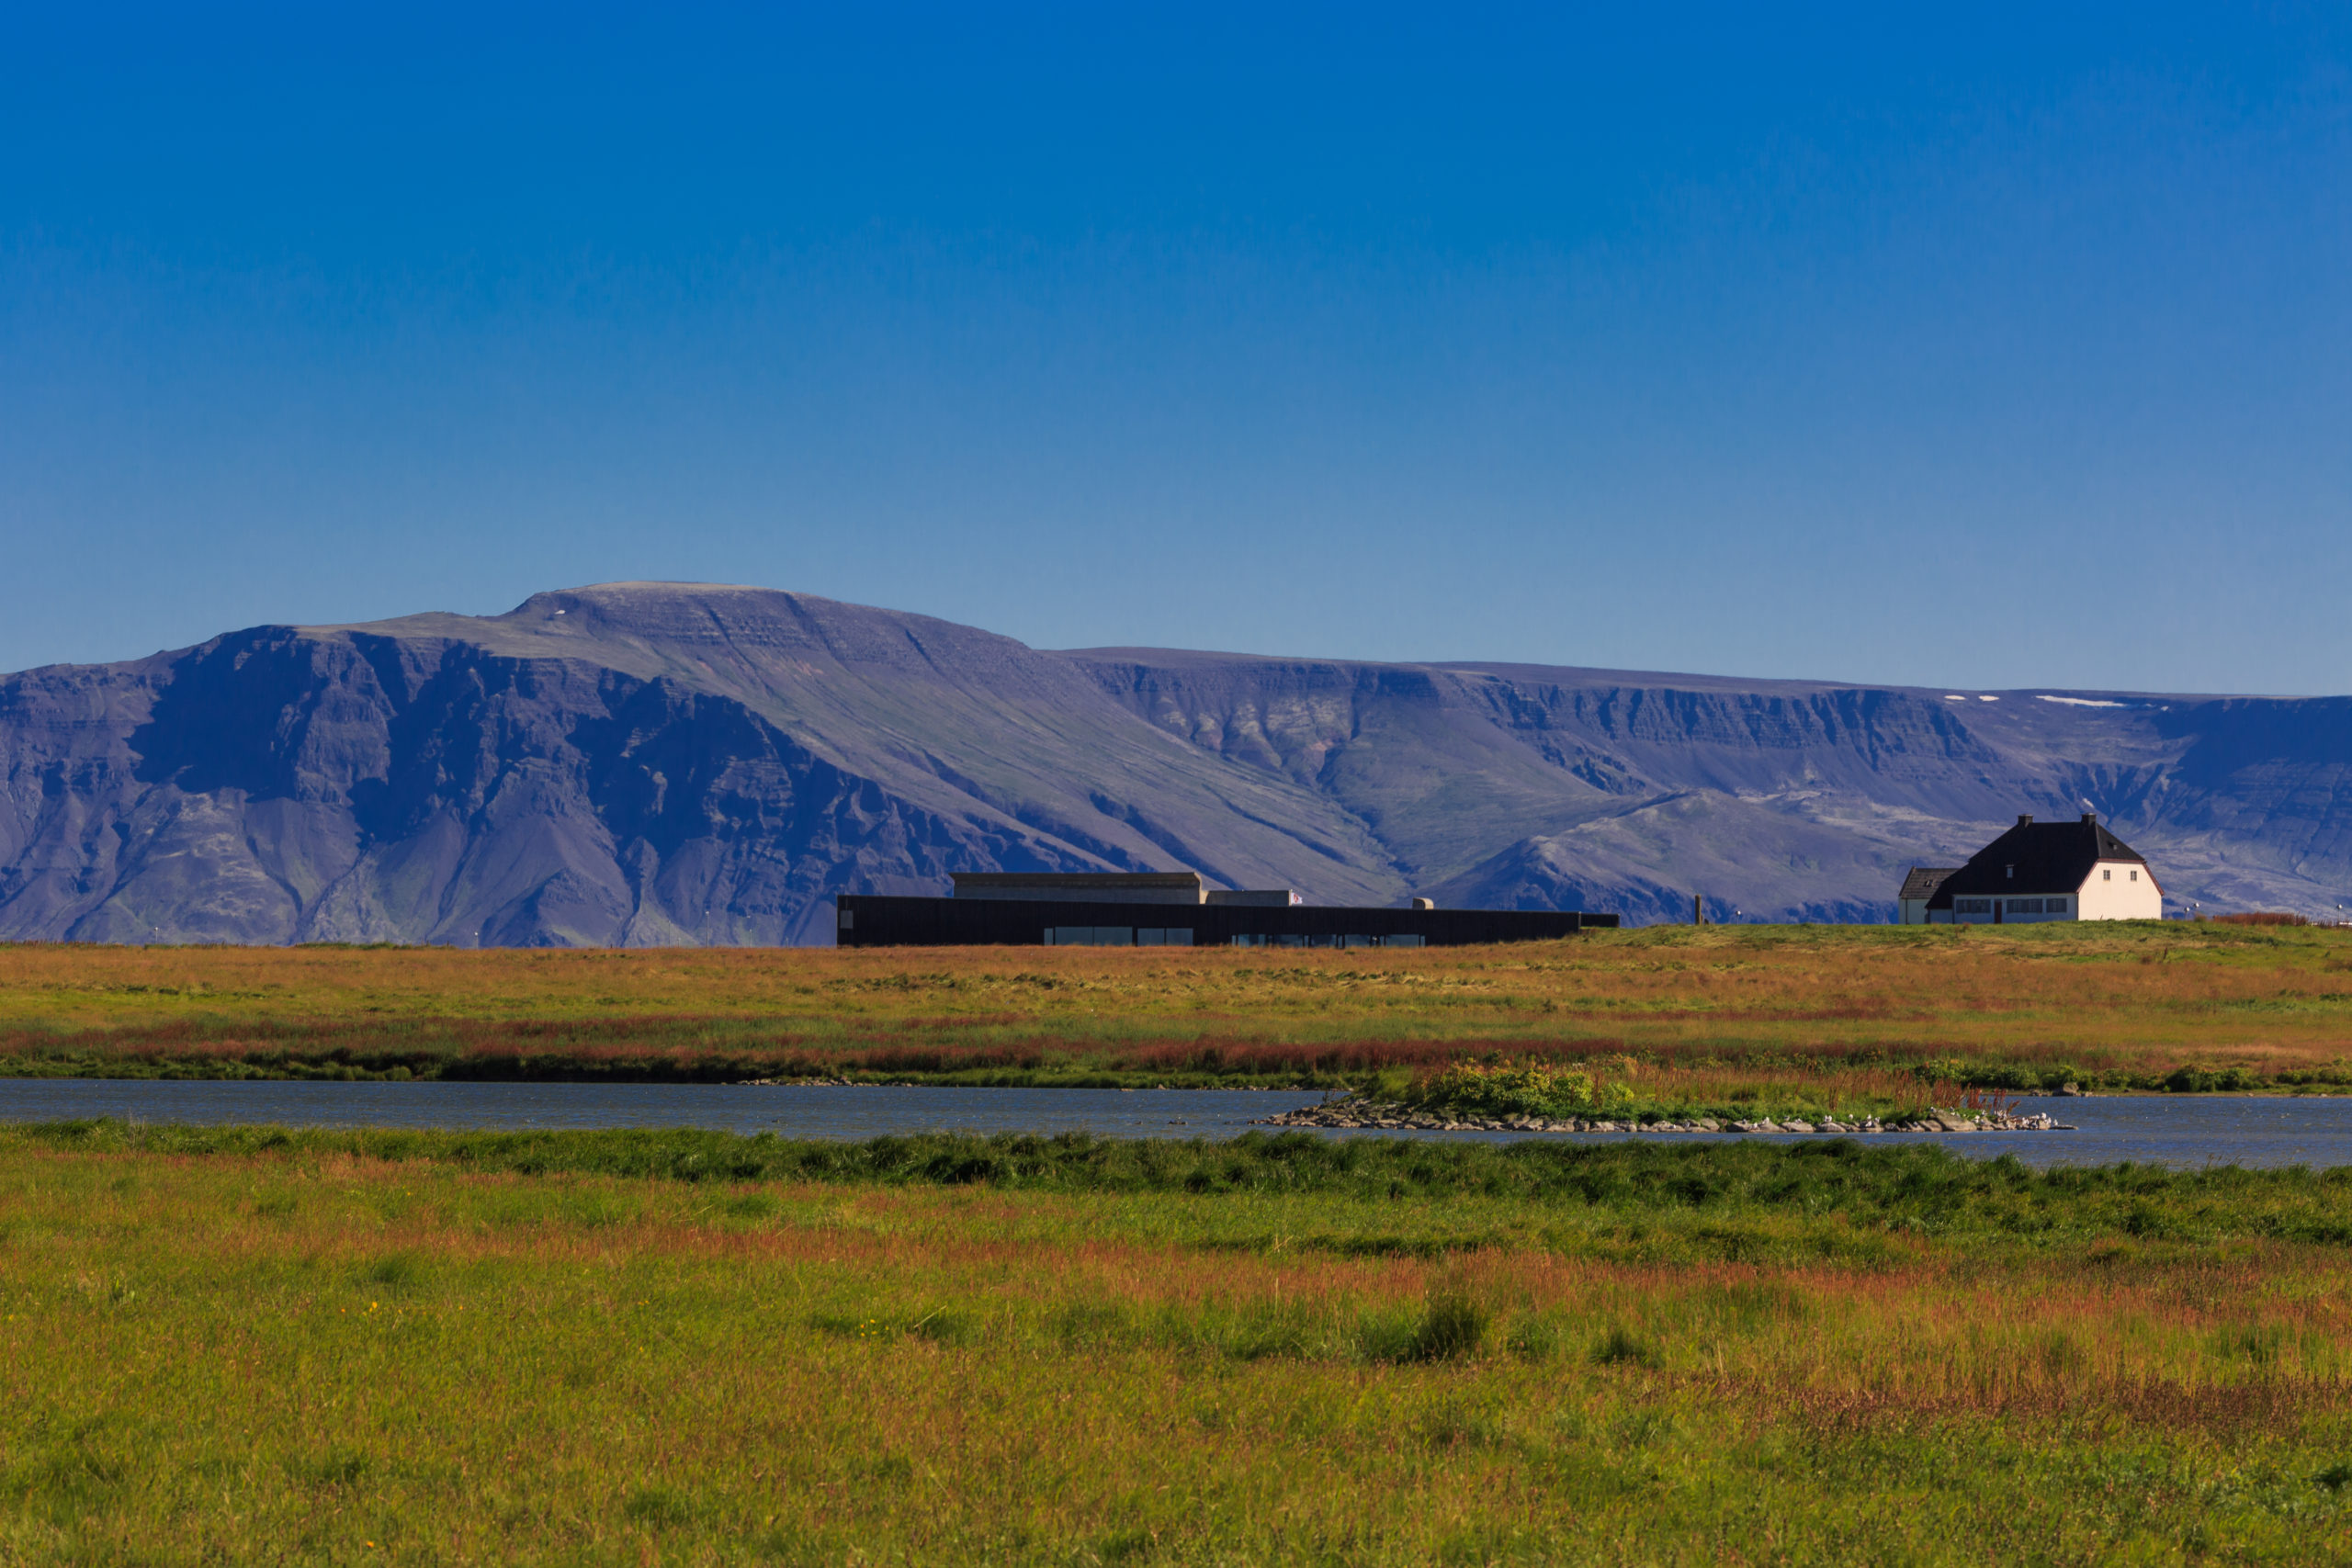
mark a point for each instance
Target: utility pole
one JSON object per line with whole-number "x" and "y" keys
{"x": 1698, "y": 909}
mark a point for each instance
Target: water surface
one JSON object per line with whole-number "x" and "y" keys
{"x": 2174, "y": 1130}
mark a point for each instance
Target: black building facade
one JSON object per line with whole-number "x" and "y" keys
{"x": 869, "y": 919}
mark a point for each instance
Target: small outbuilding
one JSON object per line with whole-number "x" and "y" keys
{"x": 2049, "y": 870}
{"x": 1920, "y": 885}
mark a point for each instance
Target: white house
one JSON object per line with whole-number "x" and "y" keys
{"x": 2049, "y": 870}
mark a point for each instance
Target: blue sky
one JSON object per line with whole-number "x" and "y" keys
{"x": 2010, "y": 347}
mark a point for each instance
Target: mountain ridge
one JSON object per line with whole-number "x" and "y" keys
{"x": 658, "y": 763}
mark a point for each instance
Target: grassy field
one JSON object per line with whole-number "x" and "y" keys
{"x": 2142, "y": 1005}
{"x": 244, "y": 1346}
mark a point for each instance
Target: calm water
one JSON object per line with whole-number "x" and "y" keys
{"x": 2182, "y": 1131}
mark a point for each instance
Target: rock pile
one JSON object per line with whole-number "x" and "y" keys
{"x": 802, "y": 1083}
{"x": 1374, "y": 1115}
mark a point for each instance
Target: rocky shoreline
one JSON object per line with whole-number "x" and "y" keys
{"x": 1371, "y": 1116}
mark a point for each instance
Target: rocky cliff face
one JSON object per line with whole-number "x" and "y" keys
{"x": 655, "y": 763}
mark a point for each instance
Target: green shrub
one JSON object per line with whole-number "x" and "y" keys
{"x": 337, "y": 1467}
{"x": 1510, "y": 1088}
{"x": 1621, "y": 1346}
{"x": 1452, "y": 1325}
{"x": 659, "y": 1505}
{"x": 395, "y": 1271}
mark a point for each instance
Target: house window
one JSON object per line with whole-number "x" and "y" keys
{"x": 1972, "y": 905}
{"x": 2012, "y": 870}
{"x": 2053, "y": 905}
{"x": 1163, "y": 936}
{"x": 2135, "y": 877}
{"x": 2025, "y": 906}
{"x": 2106, "y": 876}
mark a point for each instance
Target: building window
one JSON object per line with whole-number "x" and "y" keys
{"x": 2106, "y": 876}
{"x": 1253, "y": 940}
{"x": 2135, "y": 877}
{"x": 2025, "y": 906}
{"x": 2010, "y": 872}
{"x": 1971, "y": 906}
{"x": 2053, "y": 905}
{"x": 1163, "y": 936}
{"x": 1090, "y": 936}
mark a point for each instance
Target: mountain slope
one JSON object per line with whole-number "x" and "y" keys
{"x": 656, "y": 763}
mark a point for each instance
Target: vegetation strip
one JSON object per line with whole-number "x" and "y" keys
{"x": 1910, "y": 1189}
{"x": 1527, "y": 1095}
{"x": 1809, "y": 1020}
{"x": 247, "y": 1344}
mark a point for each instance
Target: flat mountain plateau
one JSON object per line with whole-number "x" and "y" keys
{"x": 649, "y": 764}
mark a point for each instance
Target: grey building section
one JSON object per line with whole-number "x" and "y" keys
{"x": 867, "y": 920}
{"x": 1111, "y": 887}
{"x": 1083, "y": 886}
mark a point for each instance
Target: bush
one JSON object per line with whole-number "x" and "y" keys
{"x": 659, "y": 1505}
{"x": 1621, "y": 1348}
{"x": 1453, "y": 1326}
{"x": 1509, "y": 1088}
{"x": 2227, "y": 1080}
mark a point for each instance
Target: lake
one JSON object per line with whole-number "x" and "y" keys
{"x": 2174, "y": 1130}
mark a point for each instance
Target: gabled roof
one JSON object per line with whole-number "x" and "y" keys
{"x": 1923, "y": 880}
{"x": 2050, "y": 857}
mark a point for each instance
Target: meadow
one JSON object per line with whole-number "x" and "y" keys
{"x": 256, "y": 1345}
{"x": 2146, "y": 1006}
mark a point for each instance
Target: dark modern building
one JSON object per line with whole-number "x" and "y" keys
{"x": 1170, "y": 909}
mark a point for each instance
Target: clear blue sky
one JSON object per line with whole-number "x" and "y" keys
{"x": 2008, "y": 347}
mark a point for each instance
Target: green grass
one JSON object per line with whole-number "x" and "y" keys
{"x": 248, "y": 1344}
{"x": 1631, "y": 1198}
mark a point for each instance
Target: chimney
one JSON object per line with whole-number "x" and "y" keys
{"x": 2025, "y": 819}
{"x": 2091, "y": 817}
{"x": 1424, "y": 903}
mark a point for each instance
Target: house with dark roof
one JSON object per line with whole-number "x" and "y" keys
{"x": 1920, "y": 885}
{"x": 2050, "y": 870}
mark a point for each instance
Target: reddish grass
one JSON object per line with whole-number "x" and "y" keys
{"x": 2268, "y": 998}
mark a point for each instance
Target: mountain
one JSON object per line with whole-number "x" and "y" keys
{"x": 641, "y": 764}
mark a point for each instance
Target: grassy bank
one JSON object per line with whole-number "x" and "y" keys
{"x": 2139, "y": 1007}
{"x": 239, "y": 1344}
{"x": 1658, "y": 1199}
